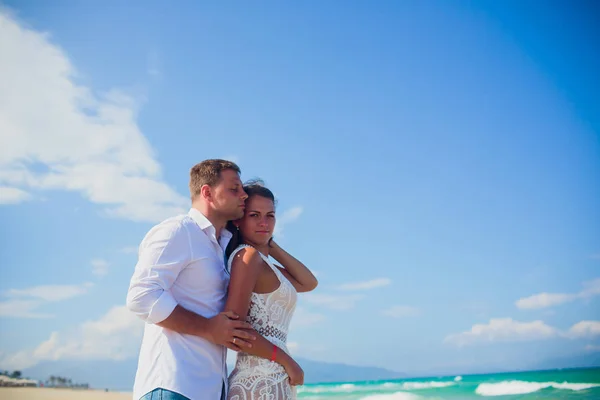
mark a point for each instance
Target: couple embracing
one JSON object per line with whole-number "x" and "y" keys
{"x": 204, "y": 282}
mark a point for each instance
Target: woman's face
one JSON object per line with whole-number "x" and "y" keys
{"x": 258, "y": 222}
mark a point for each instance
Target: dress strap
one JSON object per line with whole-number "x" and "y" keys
{"x": 265, "y": 259}
{"x": 277, "y": 272}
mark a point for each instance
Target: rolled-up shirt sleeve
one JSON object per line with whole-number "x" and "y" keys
{"x": 164, "y": 252}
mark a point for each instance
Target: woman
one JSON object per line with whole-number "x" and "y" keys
{"x": 266, "y": 293}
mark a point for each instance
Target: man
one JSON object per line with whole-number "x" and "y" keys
{"x": 179, "y": 289}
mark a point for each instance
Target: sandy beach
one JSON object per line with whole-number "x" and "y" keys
{"x": 35, "y": 393}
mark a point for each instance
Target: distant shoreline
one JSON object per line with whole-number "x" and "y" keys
{"x": 48, "y": 393}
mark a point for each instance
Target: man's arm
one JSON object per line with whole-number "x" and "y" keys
{"x": 221, "y": 329}
{"x": 164, "y": 252}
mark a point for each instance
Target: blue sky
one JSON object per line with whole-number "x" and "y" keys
{"x": 437, "y": 164}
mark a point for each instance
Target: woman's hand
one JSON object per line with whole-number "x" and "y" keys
{"x": 294, "y": 372}
{"x": 299, "y": 276}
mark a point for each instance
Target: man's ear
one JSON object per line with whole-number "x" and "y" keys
{"x": 206, "y": 192}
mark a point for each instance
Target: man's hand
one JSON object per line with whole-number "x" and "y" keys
{"x": 226, "y": 329}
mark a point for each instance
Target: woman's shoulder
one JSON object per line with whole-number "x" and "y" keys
{"x": 243, "y": 246}
{"x": 245, "y": 254}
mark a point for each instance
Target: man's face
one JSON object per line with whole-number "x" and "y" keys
{"x": 229, "y": 195}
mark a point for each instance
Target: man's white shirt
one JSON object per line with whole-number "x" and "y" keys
{"x": 180, "y": 263}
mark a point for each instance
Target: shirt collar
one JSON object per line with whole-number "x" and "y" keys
{"x": 206, "y": 225}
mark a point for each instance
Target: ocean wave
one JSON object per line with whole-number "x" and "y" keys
{"x": 386, "y": 386}
{"x": 426, "y": 385}
{"x": 523, "y": 387}
{"x": 417, "y": 385}
{"x": 392, "y": 396}
{"x": 345, "y": 387}
{"x": 458, "y": 378}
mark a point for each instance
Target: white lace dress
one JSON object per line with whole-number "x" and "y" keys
{"x": 255, "y": 378}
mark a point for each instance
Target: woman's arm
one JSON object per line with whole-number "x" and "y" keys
{"x": 296, "y": 272}
{"x": 245, "y": 269}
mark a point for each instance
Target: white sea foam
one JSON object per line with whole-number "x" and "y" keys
{"x": 426, "y": 385}
{"x": 386, "y": 386}
{"x": 458, "y": 378}
{"x": 392, "y": 396}
{"x": 522, "y": 387}
{"x": 345, "y": 387}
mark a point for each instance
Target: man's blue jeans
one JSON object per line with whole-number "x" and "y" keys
{"x": 163, "y": 394}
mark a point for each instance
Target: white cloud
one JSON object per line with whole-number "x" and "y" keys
{"x": 509, "y": 330}
{"x": 23, "y": 303}
{"x": 585, "y": 329}
{"x": 130, "y": 249}
{"x": 332, "y": 302}
{"x": 51, "y": 292}
{"x": 366, "y": 285}
{"x": 544, "y": 300}
{"x": 287, "y": 217}
{"x": 503, "y": 330}
{"x": 68, "y": 138}
{"x": 99, "y": 267}
{"x": 400, "y": 311}
{"x": 11, "y": 195}
{"x": 303, "y": 318}
{"x": 590, "y": 289}
{"x": 21, "y": 309}
{"x": 292, "y": 214}
{"x": 592, "y": 348}
{"x": 115, "y": 336}
{"x": 293, "y": 347}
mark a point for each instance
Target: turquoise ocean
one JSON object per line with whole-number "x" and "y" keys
{"x": 567, "y": 384}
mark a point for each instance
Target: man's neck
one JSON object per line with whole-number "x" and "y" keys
{"x": 213, "y": 217}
